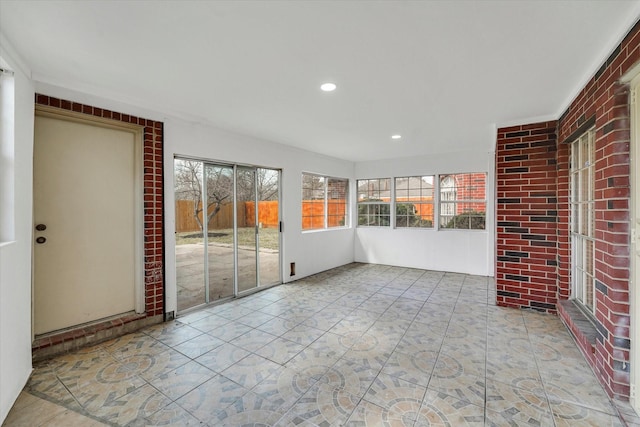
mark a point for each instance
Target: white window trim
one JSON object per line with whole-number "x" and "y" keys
{"x": 394, "y": 202}
{"x": 391, "y": 203}
{"x": 577, "y": 238}
{"x": 456, "y": 201}
{"x": 326, "y": 204}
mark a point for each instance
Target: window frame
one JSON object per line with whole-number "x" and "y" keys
{"x": 457, "y": 201}
{"x": 422, "y": 223}
{"x": 326, "y": 201}
{"x": 582, "y": 230}
{"x": 374, "y": 203}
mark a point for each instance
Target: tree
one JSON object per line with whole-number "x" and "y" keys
{"x": 260, "y": 182}
{"x": 219, "y": 186}
{"x": 188, "y": 185}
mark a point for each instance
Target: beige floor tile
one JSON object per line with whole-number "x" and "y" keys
{"x": 253, "y": 340}
{"x": 255, "y": 318}
{"x": 361, "y": 345}
{"x": 230, "y": 331}
{"x": 250, "y": 410}
{"x": 440, "y": 409}
{"x": 198, "y": 346}
{"x": 70, "y": 418}
{"x": 460, "y": 358}
{"x": 136, "y": 343}
{"x": 420, "y": 338}
{"x": 323, "y": 405}
{"x": 277, "y": 326}
{"x": 286, "y": 386}
{"x": 327, "y": 349}
{"x": 568, "y": 414}
{"x": 396, "y": 395}
{"x": 415, "y": 367}
{"x": 149, "y": 366}
{"x": 43, "y": 382}
{"x": 38, "y": 412}
{"x": 211, "y": 398}
{"x": 173, "y": 333}
{"x": 280, "y": 350}
{"x": 303, "y": 334}
{"x": 180, "y": 381}
{"x": 220, "y": 358}
{"x": 24, "y": 399}
{"x": 350, "y": 377}
{"x": 210, "y": 323}
{"x": 137, "y": 405}
{"x": 170, "y": 416}
{"x": 521, "y": 402}
{"x": 467, "y": 387}
{"x": 368, "y": 414}
{"x": 251, "y": 370}
{"x": 578, "y": 389}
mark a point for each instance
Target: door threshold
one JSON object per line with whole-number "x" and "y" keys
{"x": 54, "y": 343}
{"x": 224, "y": 300}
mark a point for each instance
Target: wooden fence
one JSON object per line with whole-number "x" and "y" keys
{"x": 186, "y": 222}
{"x": 312, "y": 211}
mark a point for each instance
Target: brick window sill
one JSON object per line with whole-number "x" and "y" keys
{"x": 580, "y": 326}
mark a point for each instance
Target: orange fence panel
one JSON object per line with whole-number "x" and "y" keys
{"x": 186, "y": 221}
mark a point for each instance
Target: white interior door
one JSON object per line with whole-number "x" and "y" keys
{"x": 85, "y": 219}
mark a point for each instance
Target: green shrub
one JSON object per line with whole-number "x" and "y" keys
{"x": 379, "y": 215}
{"x": 471, "y": 220}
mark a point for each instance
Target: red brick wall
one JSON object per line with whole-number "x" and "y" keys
{"x": 522, "y": 276}
{"x": 604, "y": 101}
{"x": 526, "y": 215}
{"x": 153, "y": 196}
{"x": 471, "y": 186}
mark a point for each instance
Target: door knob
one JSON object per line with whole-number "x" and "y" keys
{"x": 41, "y": 240}
{"x": 41, "y": 227}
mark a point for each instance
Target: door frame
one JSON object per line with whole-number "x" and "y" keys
{"x": 137, "y": 131}
{"x": 234, "y": 165}
{"x": 259, "y": 286}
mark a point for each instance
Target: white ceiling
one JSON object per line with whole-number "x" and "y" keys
{"x": 441, "y": 73}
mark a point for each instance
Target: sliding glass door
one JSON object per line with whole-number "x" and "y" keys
{"x": 247, "y": 229}
{"x": 268, "y": 197}
{"x": 219, "y": 225}
{"x": 231, "y": 246}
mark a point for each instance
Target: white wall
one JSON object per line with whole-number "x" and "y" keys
{"x": 463, "y": 251}
{"x": 15, "y": 257}
{"x": 311, "y": 251}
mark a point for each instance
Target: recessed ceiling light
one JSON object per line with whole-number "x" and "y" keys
{"x": 328, "y": 87}
{"x": 396, "y": 136}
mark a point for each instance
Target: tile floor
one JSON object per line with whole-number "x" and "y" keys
{"x": 360, "y": 345}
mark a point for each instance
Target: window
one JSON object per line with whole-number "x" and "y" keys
{"x": 374, "y": 196}
{"x": 582, "y": 220}
{"x": 324, "y": 202}
{"x": 7, "y": 155}
{"x": 463, "y": 202}
{"x": 337, "y": 202}
{"x": 447, "y": 199}
{"x": 414, "y": 201}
